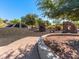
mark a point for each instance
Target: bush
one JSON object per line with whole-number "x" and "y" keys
{"x": 2, "y": 25}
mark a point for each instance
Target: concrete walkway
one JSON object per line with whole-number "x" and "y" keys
{"x": 33, "y": 55}
{"x": 25, "y": 48}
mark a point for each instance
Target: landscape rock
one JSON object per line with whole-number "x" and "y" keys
{"x": 69, "y": 27}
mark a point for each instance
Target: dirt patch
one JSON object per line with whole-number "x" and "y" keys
{"x": 9, "y": 35}
{"x": 65, "y": 46}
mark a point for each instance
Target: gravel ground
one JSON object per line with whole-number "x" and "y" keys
{"x": 65, "y": 46}
{"x": 10, "y": 35}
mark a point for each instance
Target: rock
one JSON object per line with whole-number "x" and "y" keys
{"x": 42, "y": 27}
{"x": 69, "y": 27}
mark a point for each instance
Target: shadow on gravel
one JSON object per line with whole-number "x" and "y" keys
{"x": 33, "y": 54}
{"x": 74, "y": 44}
{"x": 65, "y": 50}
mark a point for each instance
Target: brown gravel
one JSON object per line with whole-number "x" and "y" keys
{"x": 66, "y": 47}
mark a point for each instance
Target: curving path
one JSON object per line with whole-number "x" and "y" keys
{"x": 25, "y": 48}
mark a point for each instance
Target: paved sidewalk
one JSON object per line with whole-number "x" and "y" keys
{"x": 33, "y": 55}
{"x": 25, "y": 48}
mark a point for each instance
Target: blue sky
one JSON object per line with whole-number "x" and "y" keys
{"x": 10, "y": 9}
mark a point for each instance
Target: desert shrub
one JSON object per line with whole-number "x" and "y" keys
{"x": 50, "y": 27}
{"x": 42, "y": 27}
{"x": 2, "y": 25}
{"x": 58, "y": 27}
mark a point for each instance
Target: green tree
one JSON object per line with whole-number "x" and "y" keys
{"x": 47, "y": 23}
{"x": 29, "y": 19}
{"x": 39, "y": 21}
{"x": 15, "y": 21}
{"x": 49, "y": 7}
{"x": 68, "y": 9}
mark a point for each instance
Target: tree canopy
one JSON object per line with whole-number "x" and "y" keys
{"x": 60, "y": 8}
{"x": 29, "y": 19}
{"x": 39, "y": 21}
{"x": 15, "y": 21}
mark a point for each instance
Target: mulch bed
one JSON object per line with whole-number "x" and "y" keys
{"x": 65, "y": 46}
